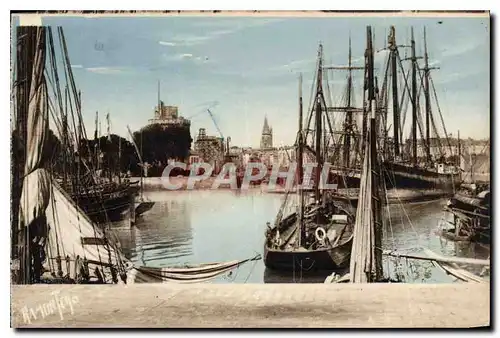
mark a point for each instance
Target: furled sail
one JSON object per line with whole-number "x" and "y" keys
{"x": 32, "y": 112}
{"x": 185, "y": 275}
{"x": 366, "y": 254}
{"x": 362, "y": 254}
{"x": 35, "y": 193}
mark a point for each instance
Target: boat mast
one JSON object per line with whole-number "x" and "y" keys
{"x": 318, "y": 122}
{"x": 374, "y": 171}
{"x": 108, "y": 141}
{"x": 366, "y": 255}
{"x": 459, "y": 150}
{"x": 119, "y": 160}
{"x": 98, "y": 128}
{"x": 142, "y": 169}
{"x": 348, "y": 128}
{"x": 395, "y": 104}
{"x": 96, "y": 139}
{"x": 300, "y": 168}
{"x": 414, "y": 99}
{"x": 348, "y": 117}
{"x": 65, "y": 139}
{"x": 428, "y": 108}
{"x": 375, "y": 178}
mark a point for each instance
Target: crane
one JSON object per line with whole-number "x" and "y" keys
{"x": 220, "y": 132}
{"x": 212, "y": 116}
{"x": 215, "y": 122}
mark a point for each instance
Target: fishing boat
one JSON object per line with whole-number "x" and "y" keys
{"x": 418, "y": 163}
{"x": 317, "y": 235}
{"x": 80, "y": 174}
{"x": 104, "y": 202}
{"x": 429, "y": 169}
{"x": 53, "y": 239}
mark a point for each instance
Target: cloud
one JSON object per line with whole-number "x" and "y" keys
{"x": 222, "y": 28}
{"x": 238, "y": 23}
{"x": 167, "y": 43}
{"x": 105, "y": 70}
{"x": 460, "y": 49}
{"x": 192, "y": 40}
{"x": 188, "y": 57}
{"x": 76, "y": 66}
{"x": 455, "y": 77}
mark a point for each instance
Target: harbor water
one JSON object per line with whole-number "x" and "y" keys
{"x": 195, "y": 227}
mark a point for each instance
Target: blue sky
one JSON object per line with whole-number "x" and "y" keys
{"x": 250, "y": 66}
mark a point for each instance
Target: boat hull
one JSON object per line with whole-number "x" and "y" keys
{"x": 334, "y": 258}
{"x": 402, "y": 176}
{"x": 108, "y": 206}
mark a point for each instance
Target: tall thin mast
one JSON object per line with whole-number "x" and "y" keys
{"x": 428, "y": 108}
{"x": 108, "y": 141}
{"x": 318, "y": 120}
{"x": 376, "y": 207}
{"x": 348, "y": 108}
{"x": 96, "y": 139}
{"x": 142, "y": 167}
{"x": 300, "y": 168}
{"x": 119, "y": 160}
{"x": 65, "y": 138}
{"x": 395, "y": 104}
{"x": 366, "y": 254}
{"x": 348, "y": 117}
{"x": 414, "y": 99}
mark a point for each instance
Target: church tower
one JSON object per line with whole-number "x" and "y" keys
{"x": 266, "y": 141}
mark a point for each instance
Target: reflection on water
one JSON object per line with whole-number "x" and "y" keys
{"x": 163, "y": 236}
{"x": 193, "y": 227}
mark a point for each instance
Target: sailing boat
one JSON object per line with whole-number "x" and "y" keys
{"x": 406, "y": 165}
{"x": 425, "y": 170}
{"x": 317, "y": 236}
{"x": 366, "y": 256}
{"x": 100, "y": 197}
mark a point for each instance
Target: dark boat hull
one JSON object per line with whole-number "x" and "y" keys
{"x": 471, "y": 204}
{"x": 327, "y": 259}
{"x": 107, "y": 206}
{"x": 106, "y": 210}
{"x": 344, "y": 180}
{"x": 402, "y": 176}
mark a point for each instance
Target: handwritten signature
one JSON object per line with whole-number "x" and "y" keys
{"x": 59, "y": 304}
